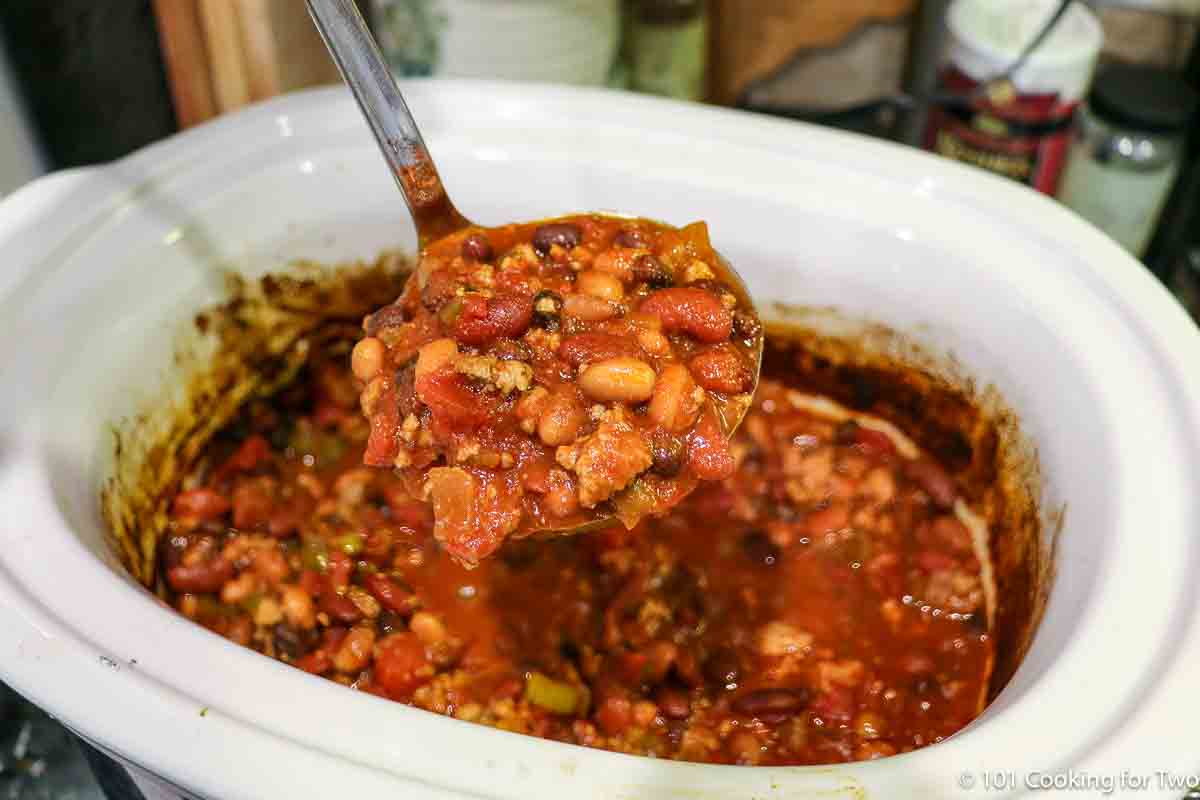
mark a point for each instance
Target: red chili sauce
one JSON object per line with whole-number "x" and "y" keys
{"x": 821, "y": 603}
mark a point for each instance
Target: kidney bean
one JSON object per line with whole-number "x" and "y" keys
{"x": 317, "y": 662}
{"x": 673, "y": 703}
{"x": 773, "y": 702}
{"x": 588, "y": 348}
{"x": 564, "y": 234}
{"x": 206, "y": 577}
{"x": 476, "y": 247}
{"x": 252, "y": 505}
{"x": 339, "y": 608}
{"x": 721, "y": 369}
{"x": 484, "y": 320}
{"x": 249, "y": 454}
{"x": 695, "y": 312}
{"x": 618, "y": 380}
{"x": 390, "y": 594}
{"x": 934, "y": 480}
{"x": 200, "y": 505}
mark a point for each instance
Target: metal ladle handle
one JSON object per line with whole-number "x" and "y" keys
{"x": 370, "y": 79}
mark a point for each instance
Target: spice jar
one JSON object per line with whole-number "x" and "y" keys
{"x": 668, "y": 47}
{"x": 1127, "y": 153}
{"x": 1020, "y": 127}
{"x": 560, "y": 41}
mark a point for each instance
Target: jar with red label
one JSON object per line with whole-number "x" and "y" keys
{"x": 1019, "y": 127}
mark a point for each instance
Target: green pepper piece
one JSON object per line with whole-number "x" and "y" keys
{"x": 552, "y": 695}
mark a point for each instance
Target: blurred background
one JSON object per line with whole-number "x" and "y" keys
{"x": 1093, "y": 103}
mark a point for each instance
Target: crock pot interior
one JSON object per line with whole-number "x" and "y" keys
{"x": 140, "y": 322}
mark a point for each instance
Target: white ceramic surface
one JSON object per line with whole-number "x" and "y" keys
{"x": 101, "y": 267}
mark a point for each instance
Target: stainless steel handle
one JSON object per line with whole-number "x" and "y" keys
{"x": 370, "y": 79}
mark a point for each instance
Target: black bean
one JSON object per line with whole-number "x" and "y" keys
{"x": 547, "y": 310}
{"x": 631, "y": 237}
{"x": 668, "y": 452}
{"x": 760, "y": 549}
{"x": 723, "y": 667}
{"x": 385, "y": 317}
{"x": 846, "y": 432}
{"x": 564, "y": 234}
{"x": 389, "y": 622}
{"x": 510, "y": 350}
{"x": 652, "y": 272}
{"x": 292, "y": 642}
{"x": 771, "y": 702}
{"x": 477, "y": 248}
{"x": 746, "y": 326}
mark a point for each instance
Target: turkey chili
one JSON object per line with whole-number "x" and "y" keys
{"x": 543, "y": 376}
{"x": 835, "y": 612}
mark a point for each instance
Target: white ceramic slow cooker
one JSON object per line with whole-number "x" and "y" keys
{"x": 100, "y": 268}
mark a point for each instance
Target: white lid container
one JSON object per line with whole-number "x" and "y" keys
{"x": 988, "y": 36}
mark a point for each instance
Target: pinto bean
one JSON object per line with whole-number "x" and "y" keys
{"x": 436, "y": 355}
{"x": 354, "y": 652}
{"x": 618, "y": 380}
{"x": 366, "y": 361}
{"x": 675, "y": 403}
{"x": 561, "y": 420}
{"x": 601, "y": 285}
{"x": 564, "y": 234}
{"x": 588, "y": 308}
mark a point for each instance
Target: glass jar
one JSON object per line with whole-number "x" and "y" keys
{"x": 668, "y": 47}
{"x": 1127, "y": 153}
